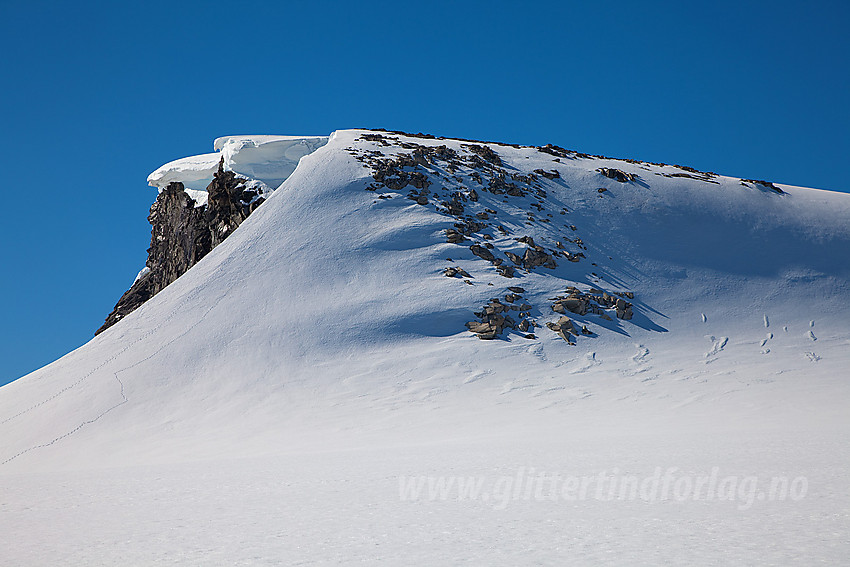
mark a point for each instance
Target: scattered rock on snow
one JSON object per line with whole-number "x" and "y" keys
{"x": 454, "y": 237}
{"x": 483, "y": 253}
{"x": 617, "y": 174}
{"x": 493, "y": 320}
{"x": 456, "y": 271}
{"x": 548, "y": 174}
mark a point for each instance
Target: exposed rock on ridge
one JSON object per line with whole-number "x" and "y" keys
{"x": 183, "y": 233}
{"x": 473, "y": 187}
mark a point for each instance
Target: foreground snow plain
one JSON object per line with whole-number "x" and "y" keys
{"x": 276, "y": 403}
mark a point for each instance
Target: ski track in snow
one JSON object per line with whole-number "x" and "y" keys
{"x": 77, "y": 428}
{"x": 88, "y": 374}
{"x": 124, "y": 398}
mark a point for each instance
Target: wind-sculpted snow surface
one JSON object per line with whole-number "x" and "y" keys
{"x": 277, "y": 402}
{"x": 269, "y": 159}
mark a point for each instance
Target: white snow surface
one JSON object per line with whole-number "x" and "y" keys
{"x": 195, "y": 172}
{"x": 269, "y": 159}
{"x": 141, "y": 274}
{"x": 267, "y": 406}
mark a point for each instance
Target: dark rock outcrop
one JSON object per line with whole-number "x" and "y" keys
{"x": 454, "y": 237}
{"x": 533, "y": 257}
{"x": 230, "y": 202}
{"x": 554, "y": 174}
{"x": 565, "y": 329}
{"x": 453, "y": 271}
{"x": 182, "y": 234}
{"x": 494, "y": 318}
{"x": 485, "y": 152}
{"x": 483, "y": 253}
{"x": 594, "y": 301}
{"x": 617, "y": 174}
{"x": 767, "y": 184}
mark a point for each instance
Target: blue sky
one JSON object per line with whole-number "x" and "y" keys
{"x": 97, "y": 95}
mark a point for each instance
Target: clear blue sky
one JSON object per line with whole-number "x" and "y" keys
{"x": 97, "y": 95}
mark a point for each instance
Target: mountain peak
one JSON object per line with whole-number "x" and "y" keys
{"x": 364, "y": 283}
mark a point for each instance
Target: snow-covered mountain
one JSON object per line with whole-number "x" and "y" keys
{"x": 408, "y": 305}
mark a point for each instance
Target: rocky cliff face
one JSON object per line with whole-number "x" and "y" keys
{"x": 183, "y": 233}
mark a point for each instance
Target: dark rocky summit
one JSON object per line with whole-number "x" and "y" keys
{"x": 183, "y": 233}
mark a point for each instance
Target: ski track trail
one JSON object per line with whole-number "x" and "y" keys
{"x": 82, "y": 379}
{"x": 124, "y": 398}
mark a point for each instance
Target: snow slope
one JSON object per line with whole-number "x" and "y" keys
{"x": 265, "y": 406}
